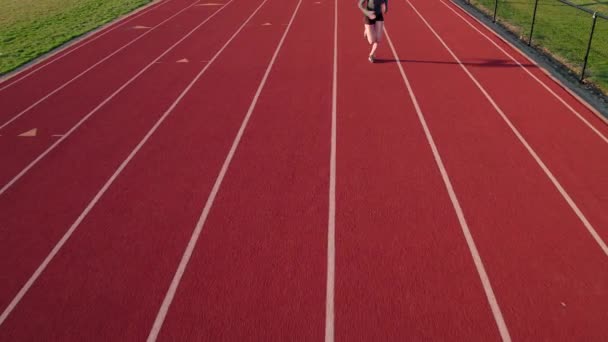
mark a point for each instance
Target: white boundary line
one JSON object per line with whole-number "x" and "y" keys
{"x": 164, "y": 309}
{"x": 118, "y": 171}
{"x": 331, "y": 224}
{"x": 92, "y": 67}
{"x": 99, "y": 106}
{"x": 485, "y": 280}
{"x": 523, "y": 141}
{"x": 545, "y": 71}
{"x": 11, "y": 78}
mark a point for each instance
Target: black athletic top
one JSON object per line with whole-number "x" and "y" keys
{"x": 372, "y": 6}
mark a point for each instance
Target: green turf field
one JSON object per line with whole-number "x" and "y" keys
{"x": 561, "y": 30}
{"x": 30, "y": 28}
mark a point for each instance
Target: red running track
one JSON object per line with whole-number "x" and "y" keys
{"x": 235, "y": 172}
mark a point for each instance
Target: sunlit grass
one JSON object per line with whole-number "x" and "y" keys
{"x": 30, "y": 28}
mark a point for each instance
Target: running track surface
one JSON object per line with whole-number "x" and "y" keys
{"x": 237, "y": 170}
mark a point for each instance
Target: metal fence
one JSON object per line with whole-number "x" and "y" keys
{"x": 565, "y": 29}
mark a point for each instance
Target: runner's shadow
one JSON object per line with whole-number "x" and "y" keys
{"x": 483, "y": 63}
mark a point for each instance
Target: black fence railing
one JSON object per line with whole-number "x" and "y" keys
{"x": 495, "y": 7}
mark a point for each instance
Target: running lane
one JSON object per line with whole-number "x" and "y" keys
{"x": 403, "y": 267}
{"x": 109, "y": 280}
{"x": 39, "y": 210}
{"x": 572, "y": 151}
{"x": 15, "y": 96}
{"x": 548, "y": 274}
{"x": 258, "y": 270}
{"x": 177, "y": 65}
{"x": 564, "y": 96}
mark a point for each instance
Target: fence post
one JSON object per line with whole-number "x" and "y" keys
{"x": 589, "y": 46}
{"x": 533, "y": 21}
{"x": 495, "y": 9}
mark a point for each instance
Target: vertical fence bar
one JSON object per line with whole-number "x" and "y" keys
{"x": 533, "y": 21}
{"x": 589, "y": 46}
{"x": 495, "y": 10}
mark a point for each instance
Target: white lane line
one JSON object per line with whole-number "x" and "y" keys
{"x": 90, "y": 68}
{"x": 99, "y": 106}
{"x": 483, "y": 275}
{"x": 331, "y": 224}
{"x": 164, "y": 309}
{"x": 109, "y": 182}
{"x": 523, "y": 141}
{"x": 544, "y": 85}
{"x": 52, "y": 58}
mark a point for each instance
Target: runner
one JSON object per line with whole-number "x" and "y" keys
{"x": 374, "y": 11}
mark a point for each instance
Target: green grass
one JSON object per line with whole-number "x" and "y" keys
{"x": 561, "y": 30}
{"x": 30, "y": 28}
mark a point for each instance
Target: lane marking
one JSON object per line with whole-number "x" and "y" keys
{"x": 139, "y": 27}
{"x": 46, "y": 61}
{"x": 162, "y": 313}
{"x": 184, "y": 60}
{"x": 89, "y": 69}
{"x": 331, "y": 221}
{"x": 31, "y": 133}
{"x": 523, "y": 141}
{"x": 110, "y": 181}
{"x": 99, "y": 106}
{"x": 481, "y": 271}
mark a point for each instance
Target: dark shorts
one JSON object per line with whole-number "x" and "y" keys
{"x": 369, "y": 21}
